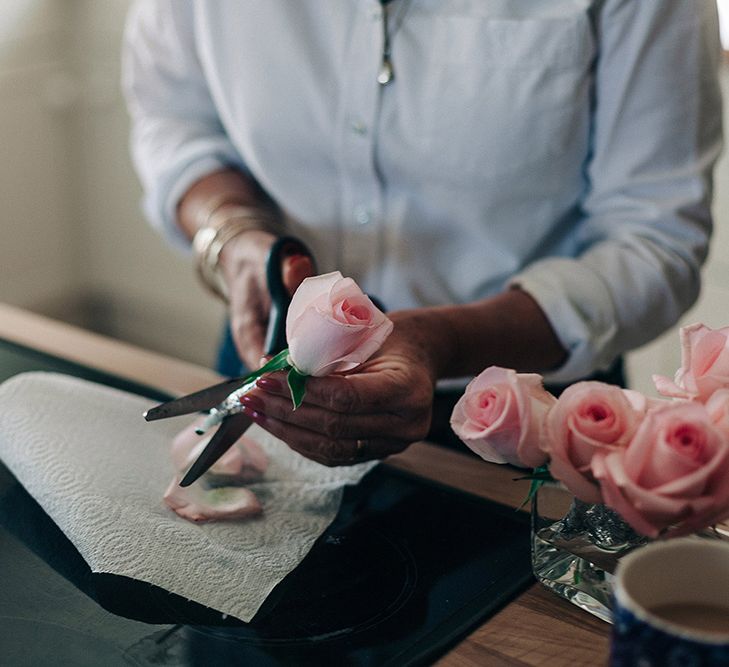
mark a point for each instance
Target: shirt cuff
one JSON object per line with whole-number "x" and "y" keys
{"x": 579, "y": 306}
{"x": 161, "y": 207}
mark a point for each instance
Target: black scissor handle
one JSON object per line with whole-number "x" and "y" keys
{"x": 286, "y": 246}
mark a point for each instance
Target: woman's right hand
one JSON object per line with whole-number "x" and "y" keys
{"x": 243, "y": 264}
{"x": 243, "y": 258}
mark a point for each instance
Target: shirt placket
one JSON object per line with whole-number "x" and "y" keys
{"x": 361, "y": 189}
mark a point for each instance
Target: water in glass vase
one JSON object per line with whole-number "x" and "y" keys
{"x": 576, "y": 547}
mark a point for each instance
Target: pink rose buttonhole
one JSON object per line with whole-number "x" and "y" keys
{"x": 332, "y": 326}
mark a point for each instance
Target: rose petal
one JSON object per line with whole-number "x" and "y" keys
{"x": 705, "y": 347}
{"x": 243, "y": 463}
{"x": 309, "y": 289}
{"x": 614, "y": 497}
{"x": 704, "y": 364}
{"x": 197, "y": 504}
{"x": 534, "y": 420}
{"x": 667, "y": 387}
{"x": 322, "y": 340}
{"x": 690, "y": 482}
{"x": 646, "y": 512}
{"x": 183, "y": 444}
{"x": 718, "y": 408}
{"x": 574, "y": 480}
{"x": 365, "y": 349}
{"x": 708, "y": 384}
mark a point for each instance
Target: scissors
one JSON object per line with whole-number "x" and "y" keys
{"x": 233, "y": 425}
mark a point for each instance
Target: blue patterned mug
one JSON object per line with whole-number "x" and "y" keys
{"x": 671, "y": 605}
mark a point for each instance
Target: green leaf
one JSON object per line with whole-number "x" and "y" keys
{"x": 539, "y": 476}
{"x": 278, "y": 363}
{"x": 297, "y": 386}
{"x": 533, "y": 488}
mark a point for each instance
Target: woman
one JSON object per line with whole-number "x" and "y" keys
{"x": 521, "y": 184}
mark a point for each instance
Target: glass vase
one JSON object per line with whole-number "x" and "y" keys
{"x": 576, "y": 547}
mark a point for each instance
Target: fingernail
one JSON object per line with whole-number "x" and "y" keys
{"x": 252, "y": 402}
{"x": 256, "y": 416}
{"x": 268, "y": 384}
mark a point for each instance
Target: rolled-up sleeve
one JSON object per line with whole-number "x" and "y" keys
{"x": 646, "y": 222}
{"x": 176, "y": 136}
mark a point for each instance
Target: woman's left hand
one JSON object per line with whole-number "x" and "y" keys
{"x": 377, "y": 410}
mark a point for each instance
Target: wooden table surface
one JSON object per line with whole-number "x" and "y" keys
{"x": 537, "y": 628}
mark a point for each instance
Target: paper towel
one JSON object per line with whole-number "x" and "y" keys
{"x": 85, "y": 453}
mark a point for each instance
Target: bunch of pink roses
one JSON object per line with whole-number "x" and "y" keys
{"x": 662, "y": 464}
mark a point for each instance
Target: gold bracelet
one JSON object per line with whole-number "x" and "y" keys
{"x": 204, "y": 212}
{"x": 223, "y": 226}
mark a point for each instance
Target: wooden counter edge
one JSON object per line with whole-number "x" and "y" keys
{"x": 113, "y": 356}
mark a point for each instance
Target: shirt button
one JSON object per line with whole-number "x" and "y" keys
{"x": 362, "y": 215}
{"x": 358, "y": 127}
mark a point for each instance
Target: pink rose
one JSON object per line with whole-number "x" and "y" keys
{"x": 704, "y": 364}
{"x": 642, "y": 403}
{"x": 675, "y": 472}
{"x": 501, "y": 416}
{"x": 718, "y": 408}
{"x": 332, "y": 326}
{"x": 589, "y": 417}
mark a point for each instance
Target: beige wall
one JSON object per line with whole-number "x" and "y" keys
{"x": 38, "y": 260}
{"x": 74, "y": 243}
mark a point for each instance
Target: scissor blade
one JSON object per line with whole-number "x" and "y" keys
{"x": 200, "y": 400}
{"x": 229, "y": 431}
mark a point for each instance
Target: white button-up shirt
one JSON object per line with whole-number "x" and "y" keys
{"x": 561, "y": 145}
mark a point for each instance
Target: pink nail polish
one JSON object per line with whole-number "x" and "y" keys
{"x": 253, "y": 402}
{"x": 268, "y": 384}
{"x": 257, "y": 417}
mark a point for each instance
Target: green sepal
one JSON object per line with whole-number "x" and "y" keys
{"x": 278, "y": 363}
{"x": 297, "y": 386}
